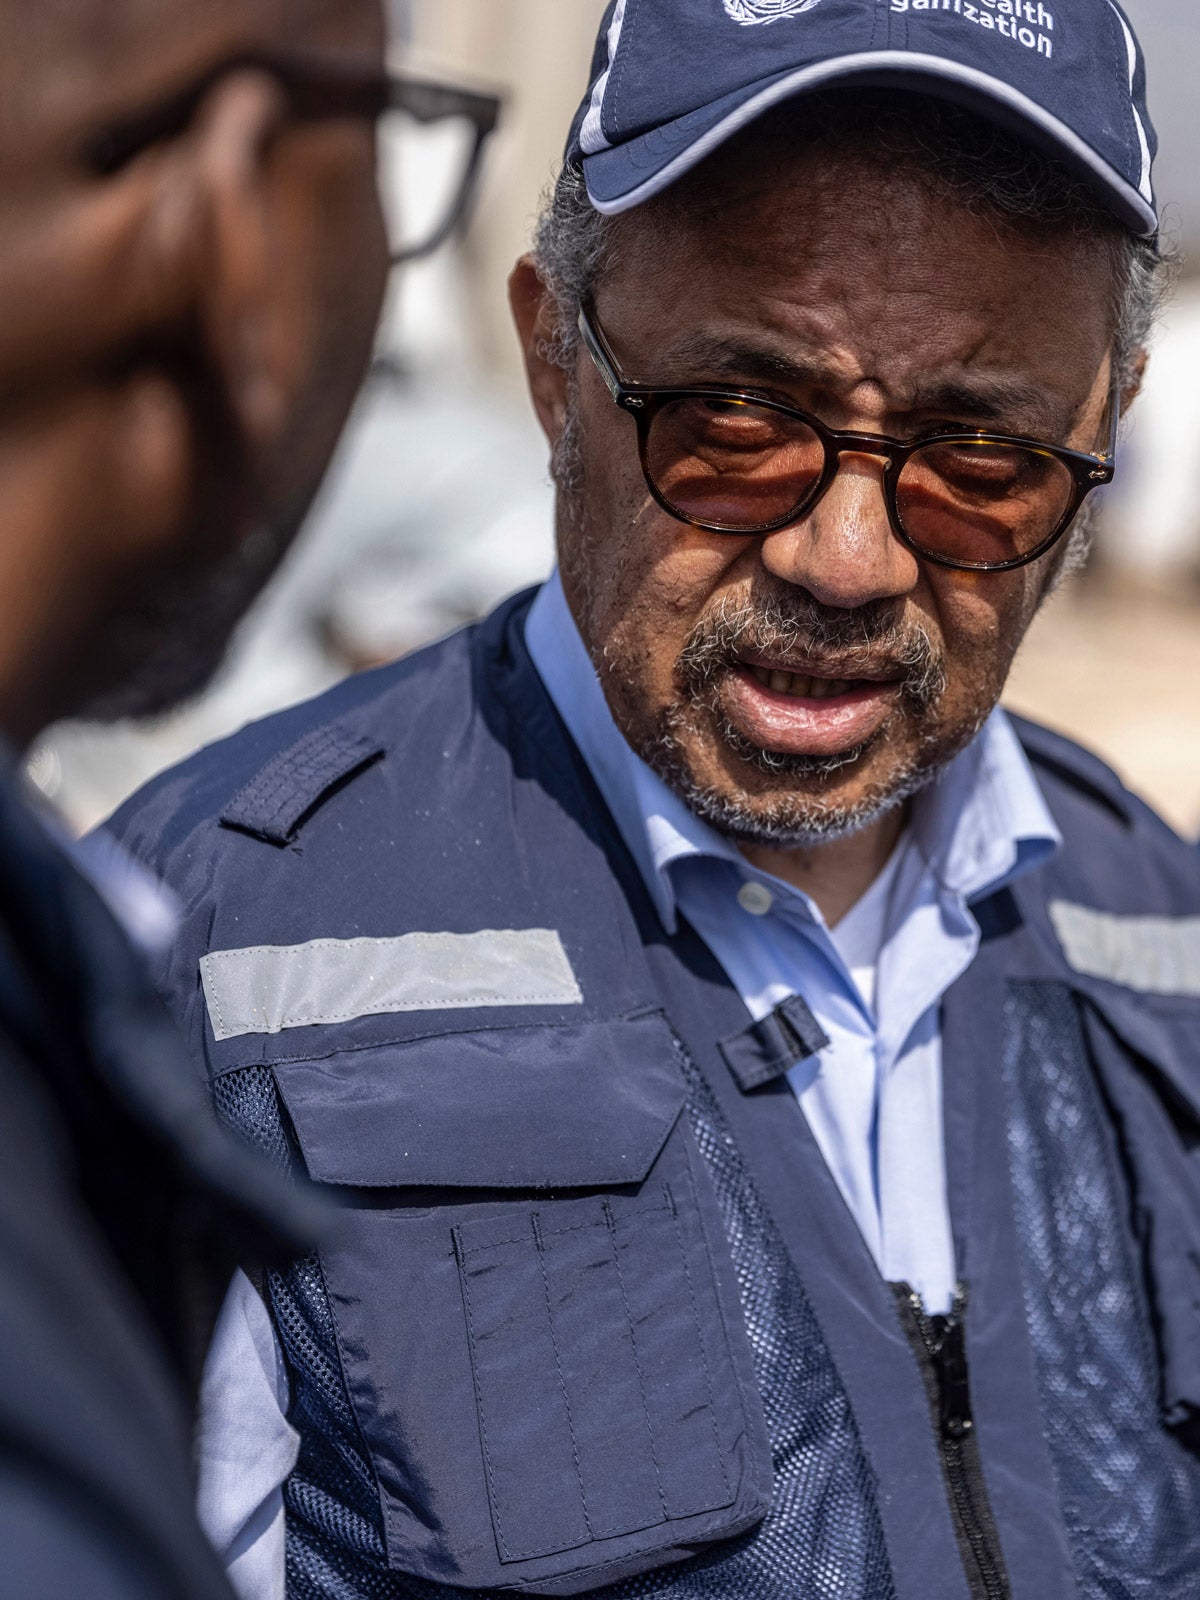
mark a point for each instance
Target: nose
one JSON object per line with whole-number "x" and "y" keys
{"x": 843, "y": 550}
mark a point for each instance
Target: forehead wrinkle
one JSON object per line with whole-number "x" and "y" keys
{"x": 990, "y": 397}
{"x": 700, "y": 356}
{"x": 725, "y": 357}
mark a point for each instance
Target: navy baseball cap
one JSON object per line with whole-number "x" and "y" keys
{"x": 672, "y": 79}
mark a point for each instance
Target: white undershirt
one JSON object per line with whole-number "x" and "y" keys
{"x": 859, "y": 936}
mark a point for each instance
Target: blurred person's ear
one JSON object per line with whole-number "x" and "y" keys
{"x": 1133, "y": 382}
{"x": 247, "y": 247}
{"x": 536, "y": 315}
{"x": 176, "y": 280}
{"x": 179, "y": 287}
{"x": 215, "y": 260}
{"x": 216, "y": 237}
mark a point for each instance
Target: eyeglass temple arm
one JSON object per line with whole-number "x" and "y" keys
{"x": 1114, "y": 426}
{"x": 602, "y": 357}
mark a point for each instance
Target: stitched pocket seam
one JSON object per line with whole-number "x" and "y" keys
{"x": 712, "y": 1415}
{"x": 534, "y": 1239}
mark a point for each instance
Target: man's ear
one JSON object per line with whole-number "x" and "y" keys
{"x": 1133, "y": 384}
{"x": 536, "y": 316}
{"x": 253, "y": 311}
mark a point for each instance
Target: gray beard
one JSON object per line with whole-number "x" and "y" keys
{"x": 794, "y": 822}
{"x": 784, "y": 624}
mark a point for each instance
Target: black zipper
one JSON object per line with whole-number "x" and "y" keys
{"x": 939, "y": 1345}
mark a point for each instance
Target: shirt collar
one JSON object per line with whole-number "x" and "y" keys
{"x": 982, "y": 823}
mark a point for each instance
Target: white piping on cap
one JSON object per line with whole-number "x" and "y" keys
{"x": 866, "y": 64}
{"x": 591, "y": 134}
{"x": 1131, "y": 46}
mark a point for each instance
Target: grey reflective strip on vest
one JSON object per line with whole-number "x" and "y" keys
{"x": 1155, "y": 955}
{"x": 267, "y": 988}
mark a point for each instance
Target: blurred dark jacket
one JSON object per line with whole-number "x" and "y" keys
{"x": 123, "y": 1212}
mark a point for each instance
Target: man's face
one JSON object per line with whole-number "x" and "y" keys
{"x": 793, "y": 686}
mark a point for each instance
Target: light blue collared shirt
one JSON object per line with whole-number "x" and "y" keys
{"x": 873, "y": 1097}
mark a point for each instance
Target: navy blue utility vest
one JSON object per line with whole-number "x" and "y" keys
{"x": 599, "y": 1321}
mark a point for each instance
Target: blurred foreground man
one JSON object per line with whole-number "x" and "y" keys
{"x": 764, "y": 1079}
{"x": 191, "y": 262}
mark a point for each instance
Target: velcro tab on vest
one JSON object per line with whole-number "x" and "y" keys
{"x": 1152, "y": 955}
{"x": 277, "y": 799}
{"x": 770, "y": 1048}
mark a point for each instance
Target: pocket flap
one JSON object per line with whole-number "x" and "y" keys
{"x": 580, "y": 1106}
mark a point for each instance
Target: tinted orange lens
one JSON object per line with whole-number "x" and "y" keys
{"x": 730, "y": 463}
{"x": 982, "y": 503}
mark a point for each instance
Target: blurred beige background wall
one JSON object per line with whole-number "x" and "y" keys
{"x": 538, "y": 52}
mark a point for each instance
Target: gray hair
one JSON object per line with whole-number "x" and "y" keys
{"x": 987, "y": 169}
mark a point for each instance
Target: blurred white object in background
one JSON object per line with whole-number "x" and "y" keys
{"x": 1151, "y": 525}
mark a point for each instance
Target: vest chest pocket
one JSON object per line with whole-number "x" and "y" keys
{"x": 543, "y": 1344}
{"x": 590, "y": 1327}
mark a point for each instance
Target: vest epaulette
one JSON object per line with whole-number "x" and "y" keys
{"x": 284, "y": 793}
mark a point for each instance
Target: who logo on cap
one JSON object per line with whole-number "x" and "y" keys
{"x": 750, "y": 12}
{"x": 673, "y": 79}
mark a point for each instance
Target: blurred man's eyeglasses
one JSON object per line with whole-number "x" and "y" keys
{"x": 727, "y": 461}
{"x": 431, "y": 135}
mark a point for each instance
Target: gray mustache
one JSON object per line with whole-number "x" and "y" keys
{"x": 869, "y": 641}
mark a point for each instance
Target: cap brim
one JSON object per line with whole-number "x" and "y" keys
{"x": 625, "y": 175}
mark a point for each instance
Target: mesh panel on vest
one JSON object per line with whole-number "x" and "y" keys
{"x": 248, "y": 1102}
{"x": 821, "y": 1540}
{"x": 333, "y": 1489}
{"x": 1130, "y": 1491}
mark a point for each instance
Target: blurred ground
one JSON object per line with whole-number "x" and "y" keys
{"x": 1119, "y": 670}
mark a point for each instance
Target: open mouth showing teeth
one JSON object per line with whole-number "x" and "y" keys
{"x": 799, "y": 686}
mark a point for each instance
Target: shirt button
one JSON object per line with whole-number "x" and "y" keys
{"x": 755, "y": 898}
